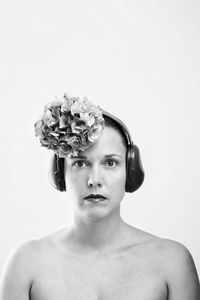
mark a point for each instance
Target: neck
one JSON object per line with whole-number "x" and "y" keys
{"x": 99, "y": 233}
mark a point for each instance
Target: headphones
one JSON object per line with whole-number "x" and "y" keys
{"x": 134, "y": 168}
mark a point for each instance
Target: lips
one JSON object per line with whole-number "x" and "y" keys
{"x": 95, "y": 196}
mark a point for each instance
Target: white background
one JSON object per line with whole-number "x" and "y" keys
{"x": 137, "y": 59}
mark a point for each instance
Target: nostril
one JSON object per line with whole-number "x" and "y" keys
{"x": 94, "y": 183}
{"x": 94, "y": 178}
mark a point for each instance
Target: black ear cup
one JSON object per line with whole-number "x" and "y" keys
{"x": 57, "y": 172}
{"x": 134, "y": 169}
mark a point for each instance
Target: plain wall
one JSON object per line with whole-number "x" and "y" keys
{"x": 137, "y": 59}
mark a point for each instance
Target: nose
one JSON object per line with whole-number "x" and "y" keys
{"x": 94, "y": 178}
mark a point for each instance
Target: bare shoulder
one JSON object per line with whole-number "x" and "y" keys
{"x": 175, "y": 264}
{"x": 175, "y": 256}
{"x": 22, "y": 266}
{"x": 24, "y": 258}
{"x": 21, "y": 260}
{"x": 21, "y": 254}
{"x": 178, "y": 268}
{"x": 18, "y": 271}
{"x": 171, "y": 252}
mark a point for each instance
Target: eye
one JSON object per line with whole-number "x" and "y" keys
{"x": 79, "y": 163}
{"x": 111, "y": 162}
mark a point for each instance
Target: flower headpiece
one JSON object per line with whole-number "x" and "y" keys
{"x": 69, "y": 125}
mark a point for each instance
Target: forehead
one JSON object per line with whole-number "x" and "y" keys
{"x": 110, "y": 137}
{"x": 110, "y": 142}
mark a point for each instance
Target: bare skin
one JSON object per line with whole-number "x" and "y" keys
{"x": 143, "y": 267}
{"x": 109, "y": 274}
{"x": 100, "y": 257}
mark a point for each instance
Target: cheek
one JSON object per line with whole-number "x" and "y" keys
{"x": 75, "y": 182}
{"x": 117, "y": 181}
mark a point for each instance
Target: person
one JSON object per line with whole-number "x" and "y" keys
{"x": 99, "y": 256}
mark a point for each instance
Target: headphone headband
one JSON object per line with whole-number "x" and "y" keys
{"x": 122, "y": 126}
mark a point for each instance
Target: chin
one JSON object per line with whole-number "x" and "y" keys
{"x": 96, "y": 213}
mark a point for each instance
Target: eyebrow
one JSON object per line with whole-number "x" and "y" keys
{"x": 85, "y": 157}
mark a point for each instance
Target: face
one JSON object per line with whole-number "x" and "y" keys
{"x": 100, "y": 169}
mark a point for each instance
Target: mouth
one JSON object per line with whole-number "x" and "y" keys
{"x": 95, "y": 198}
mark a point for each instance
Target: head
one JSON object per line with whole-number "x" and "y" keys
{"x": 71, "y": 125}
{"x": 74, "y": 126}
{"x": 134, "y": 169}
{"x": 100, "y": 169}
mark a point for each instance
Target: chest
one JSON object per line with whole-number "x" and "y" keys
{"x": 116, "y": 278}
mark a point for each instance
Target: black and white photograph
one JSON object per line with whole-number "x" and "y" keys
{"x": 100, "y": 150}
